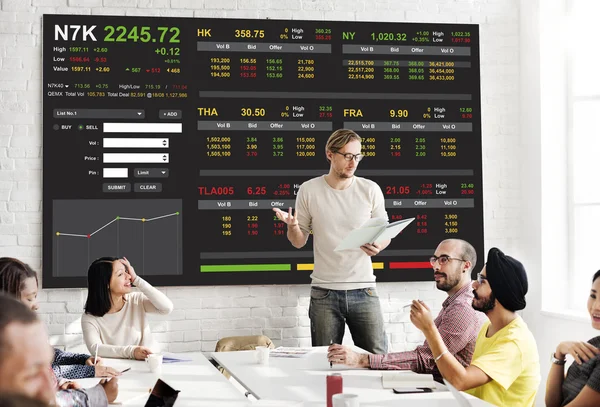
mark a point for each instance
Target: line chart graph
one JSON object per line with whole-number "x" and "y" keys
{"x": 147, "y": 232}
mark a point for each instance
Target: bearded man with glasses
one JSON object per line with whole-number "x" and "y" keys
{"x": 457, "y": 322}
{"x": 343, "y": 284}
{"x": 505, "y": 369}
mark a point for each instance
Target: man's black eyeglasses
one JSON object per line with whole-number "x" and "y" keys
{"x": 443, "y": 259}
{"x": 350, "y": 156}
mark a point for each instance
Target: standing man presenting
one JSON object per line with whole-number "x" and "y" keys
{"x": 343, "y": 284}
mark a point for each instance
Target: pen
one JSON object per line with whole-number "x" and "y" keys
{"x": 96, "y": 356}
{"x": 330, "y": 363}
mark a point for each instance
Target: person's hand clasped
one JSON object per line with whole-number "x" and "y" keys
{"x": 420, "y": 315}
{"x": 371, "y": 249}
{"x": 286, "y": 217}
{"x": 129, "y": 268}
{"x": 105, "y": 371}
{"x": 111, "y": 388}
{"x": 141, "y": 352}
{"x": 342, "y": 355}
{"x": 69, "y": 386}
{"x": 581, "y": 351}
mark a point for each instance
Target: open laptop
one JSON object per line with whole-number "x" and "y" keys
{"x": 162, "y": 395}
{"x": 458, "y": 396}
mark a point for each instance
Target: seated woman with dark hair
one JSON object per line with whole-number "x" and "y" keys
{"x": 18, "y": 280}
{"x": 115, "y": 319}
{"x": 581, "y": 386}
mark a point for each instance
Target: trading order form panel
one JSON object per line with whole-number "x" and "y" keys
{"x": 169, "y": 141}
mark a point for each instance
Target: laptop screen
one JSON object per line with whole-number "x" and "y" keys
{"x": 162, "y": 395}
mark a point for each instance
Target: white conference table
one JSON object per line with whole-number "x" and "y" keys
{"x": 200, "y": 383}
{"x": 303, "y": 379}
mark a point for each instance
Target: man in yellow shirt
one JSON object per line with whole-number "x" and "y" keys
{"x": 505, "y": 368}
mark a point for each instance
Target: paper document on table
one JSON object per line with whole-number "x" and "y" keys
{"x": 289, "y": 352}
{"x": 407, "y": 381}
{"x": 460, "y": 398}
{"x": 171, "y": 358}
{"x": 372, "y": 232}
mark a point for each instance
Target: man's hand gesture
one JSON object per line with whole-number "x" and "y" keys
{"x": 287, "y": 217}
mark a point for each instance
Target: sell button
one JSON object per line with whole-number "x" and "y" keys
{"x": 148, "y": 187}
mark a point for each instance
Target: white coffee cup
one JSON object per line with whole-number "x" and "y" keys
{"x": 345, "y": 400}
{"x": 154, "y": 362}
{"x": 262, "y": 355}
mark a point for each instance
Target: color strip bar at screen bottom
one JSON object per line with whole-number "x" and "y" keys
{"x": 219, "y": 268}
{"x": 310, "y": 266}
{"x": 410, "y": 265}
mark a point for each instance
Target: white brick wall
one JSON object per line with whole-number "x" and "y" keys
{"x": 205, "y": 314}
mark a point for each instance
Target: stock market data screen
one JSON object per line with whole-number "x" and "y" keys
{"x": 170, "y": 140}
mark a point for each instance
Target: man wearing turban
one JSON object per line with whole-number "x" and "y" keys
{"x": 505, "y": 368}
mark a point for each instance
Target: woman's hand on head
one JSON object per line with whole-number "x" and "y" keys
{"x": 141, "y": 352}
{"x": 129, "y": 268}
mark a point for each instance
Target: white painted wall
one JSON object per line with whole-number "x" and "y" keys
{"x": 542, "y": 159}
{"x": 205, "y": 314}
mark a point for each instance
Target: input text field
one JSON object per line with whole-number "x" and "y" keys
{"x": 115, "y": 173}
{"x": 135, "y": 158}
{"x": 135, "y": 143}
{"x": 141, "y": 127}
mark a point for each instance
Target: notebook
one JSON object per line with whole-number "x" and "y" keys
{"x": 407, "y": 381}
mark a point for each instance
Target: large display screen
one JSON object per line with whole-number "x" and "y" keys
{"x": 169, "y": 141}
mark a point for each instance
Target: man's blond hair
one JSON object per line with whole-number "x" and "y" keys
{"x": 339, "y": 139}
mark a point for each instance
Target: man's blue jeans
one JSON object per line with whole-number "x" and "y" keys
{"x": 360, "y": 309}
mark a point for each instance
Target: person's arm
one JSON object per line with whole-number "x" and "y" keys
{"x": 296, "y": 236}
{"x": 91, "y": 397}
{"x": 456, "y": 331}
{"x": 556, "y": 375}
{"x": 460, "y": 377}
{"x": 71, "y": 365}
{"x": 340, "y": 354}
{"x": 91, "y": 336}
{"x": 581, "y": 352}
{"x": 587, "y": 397}
{"x": 298, "y": 226}
{"x": 154, "y": 302}
{"x": 377, "y": 211}
{"x": 394, "y": 361}
{"x": 69, "y": 358}
{"x": 74, "y": 371}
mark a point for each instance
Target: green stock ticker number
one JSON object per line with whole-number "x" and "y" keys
{"x": 143, "y": 34}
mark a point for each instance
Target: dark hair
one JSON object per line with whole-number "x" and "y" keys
{"x": 18, "y": 400}
{"x": 13, "y": 274}
{"x": 98, "y": 300}
{"x": 596, "y": 275}
{"x": 13, "y": 310}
